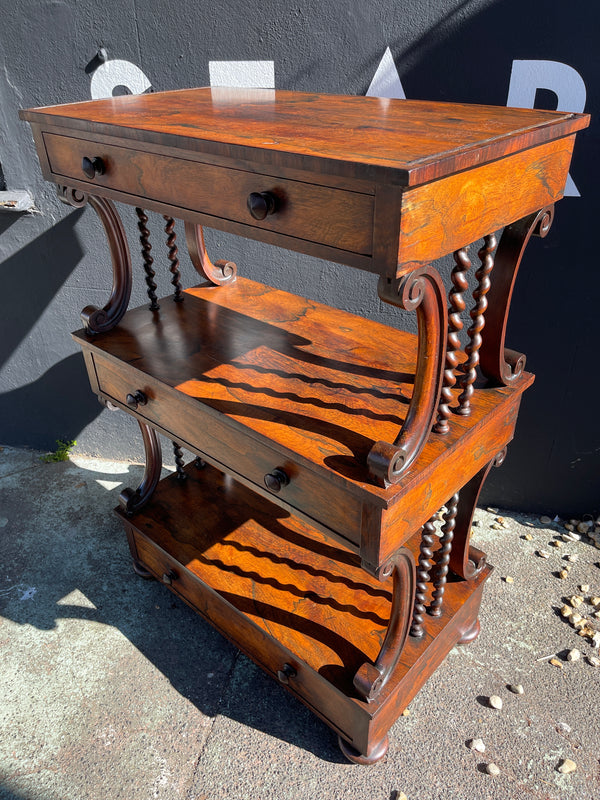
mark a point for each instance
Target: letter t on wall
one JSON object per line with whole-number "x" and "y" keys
{"x": 567, "y": 84}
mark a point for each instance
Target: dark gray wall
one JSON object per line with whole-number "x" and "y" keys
{"x": 54, "y": 262}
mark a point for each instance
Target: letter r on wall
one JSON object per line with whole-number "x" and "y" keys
{"x": 566, "y": 83}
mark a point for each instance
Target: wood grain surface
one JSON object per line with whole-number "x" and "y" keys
{"x": 409, "y": 141}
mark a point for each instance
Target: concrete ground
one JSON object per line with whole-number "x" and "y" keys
{"x": 110, "y": 687}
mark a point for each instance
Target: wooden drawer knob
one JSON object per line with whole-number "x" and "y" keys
{"x": 92, "y": 167}
{"x": 261, "y": 204}
{"x": 276, "y": 480}
{"x": 286, "y": 673}
{"x": 138, "y": 398}
{"x": 169, "y": 577}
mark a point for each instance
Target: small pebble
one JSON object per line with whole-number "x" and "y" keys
{"x": 495, "y": 702}
{"x": 567, "y": 766}
{"x": 528, "y": 536}
{"x": 576, "y": 600}
{"x": 496, "y": 526}
{"x": 543, "y": 554}
{"x": 585, "y": 587}
{"x": 566, "y": 611}
{"x": 400, "y": 796}
{"x": 516, "y": 688}
{"x": 596, "y": 639}
{"x": 476, "y": 523}
{"x": 562, "y": 727}
{"x": 593, "y": 660}
{"x": 584, "y": 527}
{"x": 477, "y": 745}
{"x": 564, "y": 573}
{"x": 572, "y": 557}
{"x": 492, "y": 510}
{"x": 575, "y": 618}
{"x": 508, "y": 579}
{"x": 595, "y": 601}
{"x": 556, "y": 543}
{"x": 574, "y": 655}
{"x": 545, "y": 520}
{"x": 596, "y": 614}
{"x": 556, "y": 663}
{"x": 569, "y": 526}
{"x": 492, "y": 769}
{"x": 406, "y": 712}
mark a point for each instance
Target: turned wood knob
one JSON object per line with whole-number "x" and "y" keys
{"x": 92, "y": 167}
{"x": 260, "y": 204}
{"x": 169, "y": 577}
{"x": 138, "y": 398}
{"x": 276, "y": 480}
{"x": 286, "y": 673}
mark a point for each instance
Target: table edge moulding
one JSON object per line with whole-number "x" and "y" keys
{"x": 324, "y": 524}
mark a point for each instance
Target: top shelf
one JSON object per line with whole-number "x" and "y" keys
{"x": 403, "y": 142}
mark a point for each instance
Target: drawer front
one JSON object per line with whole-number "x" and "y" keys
{"x": 338, "y": 711}
{"x": 189, "y": 421}
{"x": 333, "y": 217}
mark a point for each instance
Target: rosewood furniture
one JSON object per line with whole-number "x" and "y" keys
{"x": 324, "y": 526}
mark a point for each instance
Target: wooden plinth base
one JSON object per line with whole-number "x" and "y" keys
{"x": 299, "y": 605}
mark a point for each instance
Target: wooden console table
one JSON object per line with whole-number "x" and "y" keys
{"x": 327, "y": 446}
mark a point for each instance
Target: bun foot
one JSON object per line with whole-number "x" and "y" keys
{"x": 376, "y": 752}
{"x": 471, "y": 634}
{"x": 141, "y": 570}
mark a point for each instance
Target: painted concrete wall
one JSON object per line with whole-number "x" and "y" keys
{"x": 55, "y": 262}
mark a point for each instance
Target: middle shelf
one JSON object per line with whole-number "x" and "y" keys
{"x": 254, "y": 380}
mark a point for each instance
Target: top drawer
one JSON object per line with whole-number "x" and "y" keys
{"x": 332, "y": 217}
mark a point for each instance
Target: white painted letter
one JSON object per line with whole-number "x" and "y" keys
{"x": 386, "y": 81}
{"x": 566, "y": 83}
{"x": 242, "y": 74}
{"x": 118, "y": 73}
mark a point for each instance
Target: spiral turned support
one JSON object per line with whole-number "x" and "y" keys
{"x": 147, "y": 257}
{"x": 371, "y": 678}
{"x": 419, "y": 290}
{"x": 173, "y": 256}
{"x": 455, "y": 325}
{"x": 423, "y": 571}
{"x": 179, "y": 462}
{"x": 100, "y": 320}
{"x": 221, "y": 271}
{"x": 440, "y": 572}
{"x": 477, "y": 313}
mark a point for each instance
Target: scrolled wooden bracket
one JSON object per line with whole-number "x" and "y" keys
{"x": 221, "y": 271}
{"x": 131, "y": 500}
{"x": 419, "y": 290}
{"x": 100, "y": 320}
{"x": 499, "y": 364}
{"x": 465, "y": 560}
{"x": 371, "y": 678}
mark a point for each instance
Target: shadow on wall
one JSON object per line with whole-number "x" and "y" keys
{"x": 59, "y": 403}
{"x": 42, "y": 266}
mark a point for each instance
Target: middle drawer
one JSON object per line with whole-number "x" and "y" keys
{"x": 225, "y": 442}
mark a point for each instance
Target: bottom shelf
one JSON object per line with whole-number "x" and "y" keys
{"x": 300, "y": 606}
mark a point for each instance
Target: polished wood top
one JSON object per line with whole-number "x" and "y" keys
{"x": 405, "y": 142}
